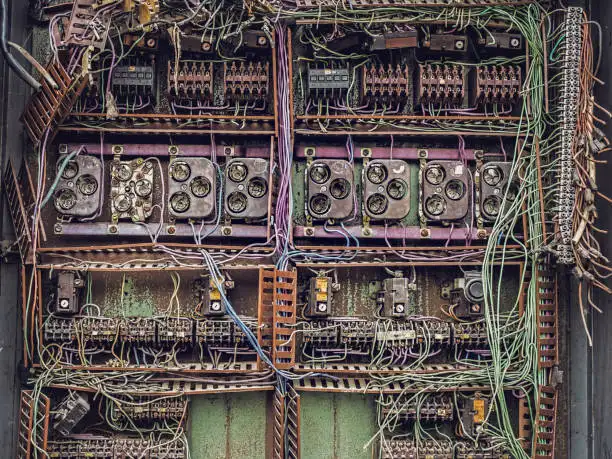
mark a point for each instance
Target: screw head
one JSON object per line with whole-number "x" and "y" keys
{"x": 228, "y": 151}
{"x": 515, "y": 42}
{"x": 322, "y": 307}
{"x": 206, "y": 46}
{"x": 481, "y": 234}
{"x": 399, "y": 308}
{"x": 227, "y": 231}
{"x": 112, "y": 229}
{"x": 215, "y": 306}
{"x": 262, "y": 41}
{"x": 309, "y": 231}
{"x": 117, "y": 149}
{"x": 151, "y": 42}
{"x": 57, "y": 228}
{"x": 459, "y": 44}
{"x": 424, "y": 232}
{"x": 173, "y": 149}
{"x": 367, "y": 232}
{"x": 64, "y": 303}
{"x": 171, "y": 229}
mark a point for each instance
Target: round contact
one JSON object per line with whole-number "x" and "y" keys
{"x": 455, "y": 189}
{"x": 180, "y": 171}
{"x": 87, "y": 184}
{"x": 320, "y": 204}
{"x": 376, "y": 173}
{"x": 237, "y": 202}
{"x": 435, "y": 174}
{"x": 257, "y": 187}
{"x": 340, "y": 188}
{"x": 65, "y": 199}
{"x": 237, "y": 171}
{"x": 319, "y": 173}
{"x": 180, "y": 202}
{"x": 492, "y": 175}
{"x": 435, "y": 205}
{"x": 200, "y": 186}
{"x": 143, "y": 188}
{"x": 71, "y": 170}
{"x": 397, "y": 189}
{"x": 377, "y": 204}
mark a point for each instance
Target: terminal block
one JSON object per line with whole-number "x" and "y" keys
{"x": 330, "y": 183}
{"x": 484, "y": 449}
{"x": 331, "y": 82}
{"x": 498, "y": 84}
{"x": 386, "y": 189}
{"x": 130, "y": 81}
{"x": 98, "y": 330}
{"x": 142, "y": 409}
{"x": 442, "y": 84}
{"x": 132, "y": 190}
{"x": 321, "y": 333}
{"x": 247, "y": 188}
{"x": 246, "y": 81}
{"x": 79, "y": 188}
{"x": 356, "y": 333}
{"x": 172, "y": 330}
{"x": 409, "y": 449}
{"x": 385, "y": 85}
{"x": 118, "y": 447}
{"x": 215, "y": 332}
{"x": 140, "y": 330}
{"x": 471, "y": 336}
{"x": 190, "y": 80}
{"x": 431, "y": 408}
{"x": 446, "y": 191}
{"x": 192, "y": 188}
{"x": 59, "y": 330}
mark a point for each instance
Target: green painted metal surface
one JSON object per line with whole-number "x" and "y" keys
{"x": 230, "y": 426}
{"x": 336, "y": 426}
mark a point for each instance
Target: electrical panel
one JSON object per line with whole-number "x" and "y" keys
{"x": 261, "y": 200}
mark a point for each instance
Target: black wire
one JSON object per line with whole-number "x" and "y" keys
{"x": 12, "y": 62}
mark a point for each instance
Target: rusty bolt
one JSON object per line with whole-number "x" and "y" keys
{"x": 481, "y": 234}
{"x": 424, "y": 232}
